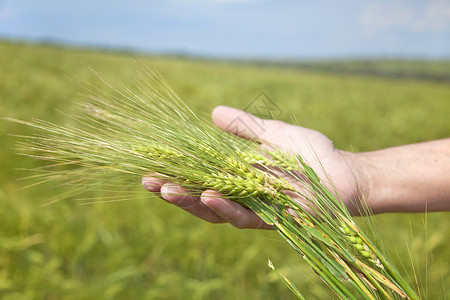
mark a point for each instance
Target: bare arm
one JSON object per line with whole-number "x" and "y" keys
{"x": 410, "y": 178}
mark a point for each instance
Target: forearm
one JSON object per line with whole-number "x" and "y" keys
{"x": 411, "y": 178}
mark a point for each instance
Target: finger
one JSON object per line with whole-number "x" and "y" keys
{"x": 153, "y": 184}
{"x": 184, "y": 199}
{"x": 238, "y": 122}
{"x": 232, "y": 212}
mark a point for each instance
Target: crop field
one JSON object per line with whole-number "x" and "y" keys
{"x": 145, "y": 248}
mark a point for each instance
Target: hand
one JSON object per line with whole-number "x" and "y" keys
{"x": 339, "y": 166}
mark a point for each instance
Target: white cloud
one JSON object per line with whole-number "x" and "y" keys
{"x": 437, "y": 15}
{"x": 7, "y": 11}
{"x": 434, "y": 16}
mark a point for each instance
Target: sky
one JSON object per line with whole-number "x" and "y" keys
{"x": 238, "y": 28}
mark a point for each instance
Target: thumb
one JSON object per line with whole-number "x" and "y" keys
{"x": 238, "y": 122}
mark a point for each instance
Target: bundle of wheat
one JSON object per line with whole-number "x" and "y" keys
{"x": 123, "y": 133}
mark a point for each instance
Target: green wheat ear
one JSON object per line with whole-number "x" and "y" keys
{"x": 360, "y": 245}
{"x": 276, "y": 159}
{"x": 125, "y": 132}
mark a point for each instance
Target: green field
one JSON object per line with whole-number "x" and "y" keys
{"x": 144, "y": 248}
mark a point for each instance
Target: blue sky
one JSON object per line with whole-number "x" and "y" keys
{"x": 239, "y": 28}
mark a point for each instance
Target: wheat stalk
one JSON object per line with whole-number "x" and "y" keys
{"x": 126, "y": 132}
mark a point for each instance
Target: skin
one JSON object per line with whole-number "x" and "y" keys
{"x": 410, "y": 178}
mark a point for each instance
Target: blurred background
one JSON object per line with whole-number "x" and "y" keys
{"x": 238, "y": 28}
{"x": 368, "y": 74}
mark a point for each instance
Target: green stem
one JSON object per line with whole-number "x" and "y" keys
{"x": 262, "y": 209}
{"x": 394, "y": 273}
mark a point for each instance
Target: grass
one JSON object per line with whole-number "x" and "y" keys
{"x": 144, "y": 248}
{"x": 433, "y": 70}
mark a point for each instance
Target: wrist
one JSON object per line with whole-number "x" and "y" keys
{"x": 364, "y": 174}
{"x": 369, "y": 177}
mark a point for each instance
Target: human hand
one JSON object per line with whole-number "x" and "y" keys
{"x": 316, "y": 149}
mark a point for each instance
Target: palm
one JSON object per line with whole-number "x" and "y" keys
{"x": 318, "y": 151}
